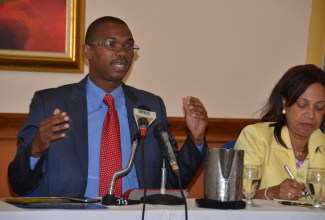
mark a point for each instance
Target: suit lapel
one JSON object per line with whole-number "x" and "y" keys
{"x": 78, "y": 109}
{"x": 131, "y": 101}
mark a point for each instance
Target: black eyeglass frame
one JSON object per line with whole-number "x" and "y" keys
{"x": 117, "y": 46}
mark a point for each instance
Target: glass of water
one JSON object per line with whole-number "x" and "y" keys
{"x": 251, "y": 183}
{"x": 316, "y": 186}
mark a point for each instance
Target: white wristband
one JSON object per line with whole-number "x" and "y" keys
{"x": 265, "y": 191}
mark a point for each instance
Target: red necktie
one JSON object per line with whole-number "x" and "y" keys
{"x": 110, "y": 149}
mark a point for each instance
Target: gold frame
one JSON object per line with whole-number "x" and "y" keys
{"x": 69, "y": 62}
{"x": 316, "y": 38}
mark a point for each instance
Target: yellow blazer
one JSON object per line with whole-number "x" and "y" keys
{"x": 261, "y": 148}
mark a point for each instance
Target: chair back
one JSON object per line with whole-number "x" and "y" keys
{"x": 230, "y": 144}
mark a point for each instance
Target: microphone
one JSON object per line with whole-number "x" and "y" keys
{"x": 161, "y": 134}
{"x": 110, "y": 199}
{"x": 144, "y": 117}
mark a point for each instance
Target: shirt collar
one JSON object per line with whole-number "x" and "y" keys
{"x": 96, "y": 95}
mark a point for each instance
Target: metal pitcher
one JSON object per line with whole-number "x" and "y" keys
{"x": 223, "y": 177}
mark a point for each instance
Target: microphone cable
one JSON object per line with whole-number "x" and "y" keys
{"x": 183, "y": 196}
{"x": 144, "y": 177}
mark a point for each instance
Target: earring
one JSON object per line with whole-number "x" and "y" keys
{"x": 284, "y": 111}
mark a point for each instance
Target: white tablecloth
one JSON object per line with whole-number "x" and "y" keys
{"x": 268, "y": 210}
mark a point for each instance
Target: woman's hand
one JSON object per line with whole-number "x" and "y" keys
{"x": 287, "y": 190}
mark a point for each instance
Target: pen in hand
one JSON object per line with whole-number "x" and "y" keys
{"x": 294, "y": 178}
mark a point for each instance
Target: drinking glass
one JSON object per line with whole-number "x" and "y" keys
{"x": 316, "y": 186}
{"x": 251, "y": 183}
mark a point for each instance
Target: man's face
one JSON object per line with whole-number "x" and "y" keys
{"x": 106, "y": 64}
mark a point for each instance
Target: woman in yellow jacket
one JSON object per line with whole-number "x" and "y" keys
{"x": 289, "y": 133}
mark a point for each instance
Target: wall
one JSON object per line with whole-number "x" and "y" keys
{"x": 229, "y": 53}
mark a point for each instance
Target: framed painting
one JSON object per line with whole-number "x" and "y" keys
{"x": 42, "y": 35}
{"x": 316, "y": 38}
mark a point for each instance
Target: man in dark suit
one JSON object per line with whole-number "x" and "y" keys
{"x": 59, "y": 148}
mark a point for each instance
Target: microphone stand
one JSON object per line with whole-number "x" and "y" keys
{"x": 162, "y": 198}
{"x": 163, "y": 177}
{"x": 110, "y": 199}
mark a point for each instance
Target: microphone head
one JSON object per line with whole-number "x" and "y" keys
{"x": 158, "y": 128}
{"x": 142, "y": 120}
{"x": 143, "y": 117}
{"x": 161, "y": 134}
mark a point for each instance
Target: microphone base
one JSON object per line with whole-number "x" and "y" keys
{"x": 213, "y": 204}
{"x": 163, "y": 199}
{"x": 109, "y": 200}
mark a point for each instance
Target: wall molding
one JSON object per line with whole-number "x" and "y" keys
{"x": 219, "y": 130}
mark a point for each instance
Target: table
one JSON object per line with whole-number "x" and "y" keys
{"x": 269, "y": 210}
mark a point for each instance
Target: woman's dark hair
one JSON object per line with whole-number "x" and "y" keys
{"x": 290, "y": 87}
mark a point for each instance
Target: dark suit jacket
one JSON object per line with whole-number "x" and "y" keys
{"x": 63, "y": 170}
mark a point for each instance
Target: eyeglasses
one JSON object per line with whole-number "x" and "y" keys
{"x": 116, "y": 46}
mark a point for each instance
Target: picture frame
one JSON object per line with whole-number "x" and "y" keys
{"x": 69, "y": 61}
{"x": 316, "y": 38}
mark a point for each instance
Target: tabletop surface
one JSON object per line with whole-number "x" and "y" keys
{"x": 268, "y": 210}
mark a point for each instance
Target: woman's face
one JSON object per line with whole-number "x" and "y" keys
{"x": 307, "y": 113}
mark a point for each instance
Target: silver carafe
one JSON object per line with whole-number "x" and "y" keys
{"x": 223, "y": 176}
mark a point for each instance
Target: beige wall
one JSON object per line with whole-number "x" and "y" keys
{"x": 229, "y": 53}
